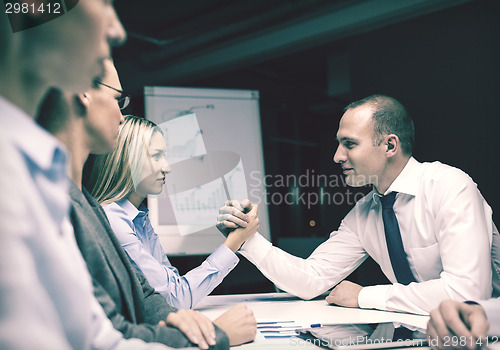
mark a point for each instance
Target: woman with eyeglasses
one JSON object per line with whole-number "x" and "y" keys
{"x": 120, "y": 181}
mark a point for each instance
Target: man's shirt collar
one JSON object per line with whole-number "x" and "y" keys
{"x": 406, "y": 182}
{"x": 39, "y": 146}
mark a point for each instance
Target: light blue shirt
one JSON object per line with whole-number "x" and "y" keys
{"x": 46, "y": 293}
{"x": 136, "y": 235}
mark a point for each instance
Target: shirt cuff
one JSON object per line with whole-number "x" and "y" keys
{"x": 256, "y": 248}
{"x": 373, "y": 297}
{"x": 223, "y": 259}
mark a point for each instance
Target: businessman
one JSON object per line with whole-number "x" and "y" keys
{"x": 418, "y": 223}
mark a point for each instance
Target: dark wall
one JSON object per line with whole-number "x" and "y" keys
{"x": 444, "y": 67}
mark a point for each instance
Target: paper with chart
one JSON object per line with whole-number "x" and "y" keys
{"x": 214, "y": 148}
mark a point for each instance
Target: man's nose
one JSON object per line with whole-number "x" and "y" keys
{"x": 339, "y": 156}
{"x": 116, "y": 33}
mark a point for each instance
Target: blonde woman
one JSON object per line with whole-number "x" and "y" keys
{"x": 121, "y": 180}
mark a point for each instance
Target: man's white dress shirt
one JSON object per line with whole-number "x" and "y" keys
{"x": 446, "y": 228}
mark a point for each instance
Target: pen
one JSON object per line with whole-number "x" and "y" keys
{"x": 278, "y": 326}
{"x": 315, "y": 325}
{"x": 279, "y": 336}
{"x": 274, "y": 322}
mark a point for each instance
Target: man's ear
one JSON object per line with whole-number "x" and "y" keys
{"x": 392, "y": 144}
{"x": 82, "y": 102}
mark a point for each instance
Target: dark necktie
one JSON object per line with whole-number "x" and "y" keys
{"x": 395, "y": 247}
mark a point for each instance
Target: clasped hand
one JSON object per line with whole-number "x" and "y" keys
{"x": 238, "y": 221}
{"x": 345, "y": 294}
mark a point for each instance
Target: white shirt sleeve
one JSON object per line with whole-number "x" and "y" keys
{"x": 329, "y": 264}
{"x": 446, "y": 226}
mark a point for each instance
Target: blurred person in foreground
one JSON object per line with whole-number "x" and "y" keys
{"x": 46, "y": 293}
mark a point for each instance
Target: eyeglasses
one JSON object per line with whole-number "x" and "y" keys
{"x": 123, "y": 102}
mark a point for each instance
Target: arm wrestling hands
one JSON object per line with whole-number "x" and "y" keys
{"x": 238, "y": 221}
{"x": 235, "y": 215}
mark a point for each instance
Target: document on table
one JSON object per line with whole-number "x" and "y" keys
{"x": 221, "y": 300}
{"x": 278, "y": 329}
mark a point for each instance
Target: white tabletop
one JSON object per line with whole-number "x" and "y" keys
{"x": 284, "y": 307}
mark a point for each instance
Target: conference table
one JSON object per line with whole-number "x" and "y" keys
{"x": 283, "y": 307}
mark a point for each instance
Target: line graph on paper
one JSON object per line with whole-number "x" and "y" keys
{"x": 183, "y": 138}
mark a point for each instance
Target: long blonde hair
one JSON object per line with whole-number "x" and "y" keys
{"x": 113, "y": 175}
